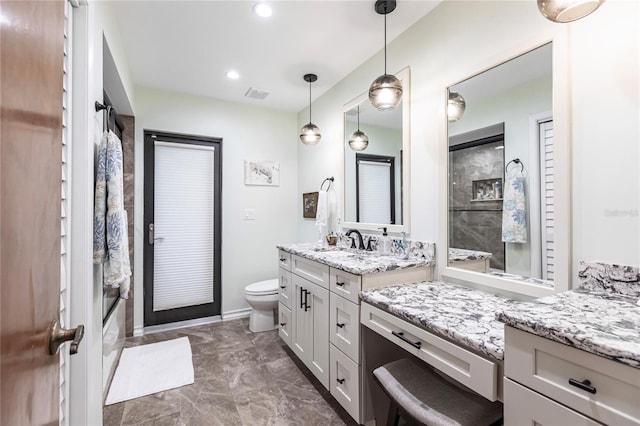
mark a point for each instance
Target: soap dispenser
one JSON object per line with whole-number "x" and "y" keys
{"x": 384, "y": 244}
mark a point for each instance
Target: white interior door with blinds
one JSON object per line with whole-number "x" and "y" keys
{"x": 182, "y": 233}
{"x": 375, "y": 188}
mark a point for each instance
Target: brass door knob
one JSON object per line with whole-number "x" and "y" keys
{"x": 59, "y": 335}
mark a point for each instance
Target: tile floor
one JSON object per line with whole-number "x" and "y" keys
{"x": 241, "y": 378}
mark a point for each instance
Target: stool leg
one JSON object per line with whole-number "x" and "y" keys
{"x": 393, "y": 418}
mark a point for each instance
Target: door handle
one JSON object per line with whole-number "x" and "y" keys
{"x": 306, "y": 300}
{"x": 59, "y": 335}
{"x": 151, "y": 230}
{"x": 301, "y": 301}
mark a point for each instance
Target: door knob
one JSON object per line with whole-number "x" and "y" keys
{"x": 59, "y": 335}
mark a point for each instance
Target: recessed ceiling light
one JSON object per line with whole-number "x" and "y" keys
{"x": 262, "y": 9}
{"x": 233, "y": 75}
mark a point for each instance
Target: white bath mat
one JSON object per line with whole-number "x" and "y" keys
{"x": 147, "y": 369}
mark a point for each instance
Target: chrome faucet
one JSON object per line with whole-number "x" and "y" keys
{"x": 353, "y": 240}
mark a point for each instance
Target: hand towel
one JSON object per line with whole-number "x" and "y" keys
{"x": 332, "y": 209}
{"x": 110, "y": 236}
{"x": 322, "y": 211}
{"x": 514, "y": 214}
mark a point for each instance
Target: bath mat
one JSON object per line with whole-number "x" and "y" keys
{"x": 147, "y": 369}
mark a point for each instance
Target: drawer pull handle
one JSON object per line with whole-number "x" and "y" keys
{"x": 341, "y": 381}
{"x": 585, "y": 385}
{"x": 340, "y": 284}
{"x": 282, "y": 287}
{"x": 282, "y": 324}
{"x": 340, "y": 325}
{"x": 282, "y": 259}
{"x": 400, "y": 335}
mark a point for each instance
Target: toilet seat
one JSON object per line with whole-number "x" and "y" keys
{"x": 262, "y": 288}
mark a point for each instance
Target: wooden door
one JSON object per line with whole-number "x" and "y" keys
{"x": 302, "y": 331}
{"x": 31, "y": 73}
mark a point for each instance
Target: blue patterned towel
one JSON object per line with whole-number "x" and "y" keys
{"x": 514, "y": 213}
{"x": 110, "y": 236}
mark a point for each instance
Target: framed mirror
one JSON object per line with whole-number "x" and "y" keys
{"x": 507, "y": 181}
{"x": 376, "y": 178}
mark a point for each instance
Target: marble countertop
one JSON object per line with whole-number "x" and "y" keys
{"x": 602, "y": 322}
{"x": 464, "y": 315}
{"x": 460, "y": 255}
{"x": 357, "y": 262}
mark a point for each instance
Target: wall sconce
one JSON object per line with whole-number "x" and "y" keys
{"x": 455, "y": 106}
{"x": 385, "y": 92}
{"x": 310, "y": 133}
{"x": 563, "y": 11}
{"x": 358, "y": 141}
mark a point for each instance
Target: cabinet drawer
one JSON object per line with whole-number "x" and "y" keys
{"x": 344, "y": 382}
{"x": 345, "y": 284}
{"x": 473, "y": 371}
{"x": 284, "y": 323}
{"x": 284, "y": 259}
{"x": 344, "y": 326}
{"x": 547, "y": 366}
{"x": 285, "y": 288}
{"x": 523, "y": 406}
{"x": 315, "y": 272}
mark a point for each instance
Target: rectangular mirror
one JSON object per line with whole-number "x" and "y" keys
{"x": 503, "y": 171}
{"x": 376, "y": 187}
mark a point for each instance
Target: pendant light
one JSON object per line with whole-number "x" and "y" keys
{"x": 358, "y": 141}
{"x": 455, "y": 106}
{"x": 385, "y": 92}
{"x": 562, "y": 11}
{"x": 310, "y": 133}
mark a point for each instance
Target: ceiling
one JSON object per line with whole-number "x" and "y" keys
{"x": 188, "y": 46}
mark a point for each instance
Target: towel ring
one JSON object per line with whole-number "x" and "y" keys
{"x": 516, "y": 161}
{"x": 330, "y": 180}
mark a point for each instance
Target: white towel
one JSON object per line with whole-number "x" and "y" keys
{"x": 110, "y": 236}
{"x": 322, "y": 210}
{"x": 514, "y": 213}
{"x": 332, "y": 209}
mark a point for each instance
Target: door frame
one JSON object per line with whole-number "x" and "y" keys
{"x": 150, "y": 317}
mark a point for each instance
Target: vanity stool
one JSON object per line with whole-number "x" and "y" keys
{"x": 420, "y": 395}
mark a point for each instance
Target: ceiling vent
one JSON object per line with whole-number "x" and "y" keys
{"x": 256, "y": 93}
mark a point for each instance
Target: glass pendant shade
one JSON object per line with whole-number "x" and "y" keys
{"x": 385, "y": 92}
{"x": 455, "y": 106}
{"x": 567, "y": 10}
{"x": 310, "y": 134}
{"x": 358, "y": 141}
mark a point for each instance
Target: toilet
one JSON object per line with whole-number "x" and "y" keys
{"x": 262, "y": 296}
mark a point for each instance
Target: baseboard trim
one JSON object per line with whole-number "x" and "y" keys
{"x": 138, "y": 331}
{"x": 180, "y": 324}
{"x": 238, "y": 313}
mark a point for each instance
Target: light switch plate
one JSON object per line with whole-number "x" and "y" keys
{"x": 249, "y": 214}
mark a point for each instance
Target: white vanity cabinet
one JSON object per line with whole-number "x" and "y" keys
{"x": 549, "y": 383}
{"x": 320, "y": 320}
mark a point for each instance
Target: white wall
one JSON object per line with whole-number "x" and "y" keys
{"x": 461, "y": 38}
{"x": 248, "y": 133}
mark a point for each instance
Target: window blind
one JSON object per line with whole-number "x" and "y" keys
{"x": 183, "y": 224}
{"x": 374, "y": 187}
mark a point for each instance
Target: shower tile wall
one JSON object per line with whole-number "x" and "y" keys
{"x": 476, "y": 225}
{"x": 128, "y": 148}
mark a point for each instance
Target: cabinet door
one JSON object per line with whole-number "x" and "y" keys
{"x": 285, "y": 288}
{"x": 522, "y": 406}
{"x": 344, "y": 326}
{"x": 285, "y": 324}
{"x": 302, "y": 330}
{"x": 318, "y": 301}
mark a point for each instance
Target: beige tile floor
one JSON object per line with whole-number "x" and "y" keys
{"x": 241, "y": 378}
